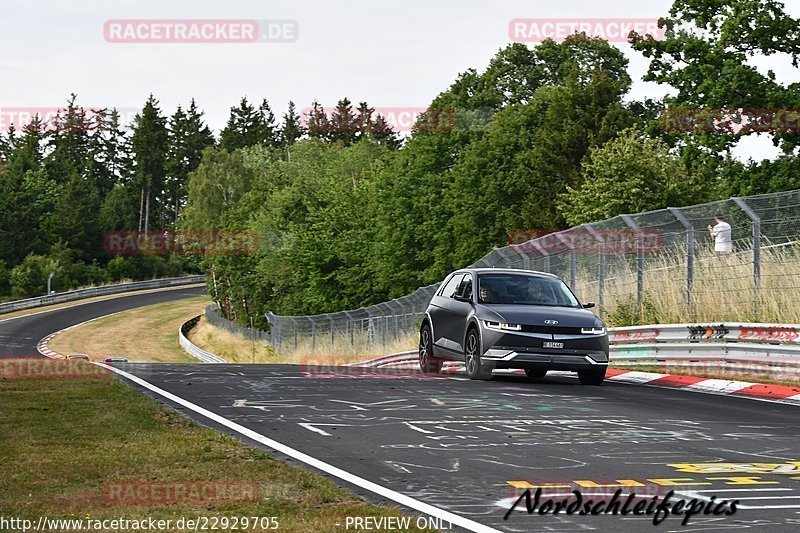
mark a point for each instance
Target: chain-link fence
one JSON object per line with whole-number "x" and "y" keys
{"x": 660, "y": 267}
{"x": 215, "y": 319}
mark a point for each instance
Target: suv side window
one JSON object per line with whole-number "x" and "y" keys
{"x": 465, "y": 287}
{"x": 451, "y": 286}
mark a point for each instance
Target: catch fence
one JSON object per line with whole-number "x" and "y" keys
{"x": 654, "y": 267}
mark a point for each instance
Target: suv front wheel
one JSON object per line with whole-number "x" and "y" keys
{"x": 594, "y": 376}
{"x": 472, "y": 357}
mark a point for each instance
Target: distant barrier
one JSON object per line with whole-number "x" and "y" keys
{"x": 192, "y": 349}
{"x": 740, "y": 347}
{"x": 90, "y": 292}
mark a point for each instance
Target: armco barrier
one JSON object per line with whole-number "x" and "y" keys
{"x": 190, "y": 348}
{"x": 760, "y": 348}
{"x": 91, "y": 292}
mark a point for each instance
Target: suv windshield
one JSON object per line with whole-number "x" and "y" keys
{"x": 523, "y": 289}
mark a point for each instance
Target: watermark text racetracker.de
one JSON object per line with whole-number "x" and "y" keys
{"x": 41, "y": 368}
{"x": 53, "y": 118}
{"x": 580, "y": 240}
{"x": 151, "y": 31}
{"x": 731, "y": 121}
{"x": 184, "y": 523}
{"x": 180, "y": 242}
{"x": 534, "y": 30}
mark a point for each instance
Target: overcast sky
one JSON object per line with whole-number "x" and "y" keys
{"x": 398, "y": 53}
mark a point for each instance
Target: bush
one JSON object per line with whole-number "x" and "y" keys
{"x": 628, "y": 312}
{"x": 29, "y": 278}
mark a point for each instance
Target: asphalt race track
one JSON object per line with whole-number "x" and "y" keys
{"x": 464, "y": 446}
{"x": 19, "y": 336}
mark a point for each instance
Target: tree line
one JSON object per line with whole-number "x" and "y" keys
{"x": 66, "y": 181}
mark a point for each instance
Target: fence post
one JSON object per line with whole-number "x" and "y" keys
{"x": 273, "y": 330}
{"x": 639, "y": 259}
{"x": 294, "y": 328}
{"x": 504, "y": 256}
{"x": 526, "y": 261}
{"x": 601, "y": 259}
{"x": 350, "y": 327}
{"x": 677, "y": 213}
{"x": 546, "y": 255}
{"x": 370, "y": 327}
{"x": 313, "y": 334}
{"x": 756, "y": 251}
{"x": 572, "y": 258}
{"x": 396, "y": 314}
{"x": 332, "y": 334}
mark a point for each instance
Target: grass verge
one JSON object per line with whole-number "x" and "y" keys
{"x": 232, "y": 347}
{"x": 236, "y": 348}
{"x": 64, "y": 442}
{"x": 144, "y": 334}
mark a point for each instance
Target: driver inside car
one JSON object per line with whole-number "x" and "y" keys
{"x": 540, "y": 295}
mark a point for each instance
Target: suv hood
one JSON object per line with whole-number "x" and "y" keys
{"x": 535, "y": 315}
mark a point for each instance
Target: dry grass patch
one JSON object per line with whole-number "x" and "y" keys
{"x": 144, "y": 334}
{"x": 232, "y": 347}
{"x": 64, "y": 441}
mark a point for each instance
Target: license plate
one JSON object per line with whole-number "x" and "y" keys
{"x": 553, "y": 345}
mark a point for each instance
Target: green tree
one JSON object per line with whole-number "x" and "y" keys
{"x": 249, "y": 126}
{"x": 292, "y": 129}
{"x": 149, "y": 144}
{"x": 188, "y": 137}
{"x": 629, "y": 174}
{"x": 74, "y": 218}
{"x": 707, "y": 58}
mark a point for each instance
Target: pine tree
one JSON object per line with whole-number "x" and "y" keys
{"x": 110, "y": 149}
{"x": 74, "y": 219}
{"x": 240, "y": 131}
{"x": 69, "y": 143}
{"x": 188, "y": 137}
{"x": 292, "y": 129}
{"x": 344, "y": 125}
{"x": 318, "y": 125}
{"x": 266, "y": 132}
{"x": 149, "y": 144}
{"x": 382, "y": 133}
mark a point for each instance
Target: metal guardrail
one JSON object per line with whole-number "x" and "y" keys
{"x": 90, "y": 292}
{"x": 760, "y": 348}
{"x": 724, "y": 331}
{"x": 192, "y": 349}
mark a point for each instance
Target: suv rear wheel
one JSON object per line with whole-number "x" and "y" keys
{"x": 427, "y": 362}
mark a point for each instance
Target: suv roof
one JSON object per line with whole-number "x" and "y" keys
{"x": 493, "y": 270}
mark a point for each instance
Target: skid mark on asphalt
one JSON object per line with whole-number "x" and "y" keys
{"x": 456, "y": 444}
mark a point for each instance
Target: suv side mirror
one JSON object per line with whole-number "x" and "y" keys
{"x": 461, "y": 298}
{"x": 588, "y": 305}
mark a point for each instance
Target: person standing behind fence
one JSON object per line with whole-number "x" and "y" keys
{"x": 721, "y": 233}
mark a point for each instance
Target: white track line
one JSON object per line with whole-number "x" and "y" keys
{"x": 393, "y": 495}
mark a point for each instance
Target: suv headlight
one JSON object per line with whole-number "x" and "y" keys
{"x": 594, "y": 331}
{"x": 502, "y": 326}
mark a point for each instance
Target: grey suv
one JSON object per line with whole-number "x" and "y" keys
{"x": 502, "y": 318}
